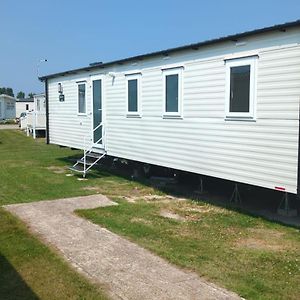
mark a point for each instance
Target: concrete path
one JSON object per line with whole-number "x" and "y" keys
{"x": 127, "y": 270}
{"x": 9, "y": 126}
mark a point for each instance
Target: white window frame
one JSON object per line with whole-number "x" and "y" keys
{"x": 238, "y": 62}
{"x": 78, "y": 112}
{"x": 167, "y": 72}
{"x": 139, "y": 93}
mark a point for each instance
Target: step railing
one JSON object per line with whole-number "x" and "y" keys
{"x": 33, "y": 121}
{"x": 88, "y": 149}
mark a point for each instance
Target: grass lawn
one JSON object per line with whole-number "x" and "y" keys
{"x": 253, "y": 257}
{"x": 29, "y": 171}
{"x": 29, "y": 270}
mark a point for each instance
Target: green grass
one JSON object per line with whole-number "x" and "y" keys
{"x": 29, "y": 270}
{"x": 248, "y": 255}
{"x": 253, "y": 257}
{"x": 30, "y": 171}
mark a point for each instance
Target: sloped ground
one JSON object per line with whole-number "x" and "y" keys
{"x": 127, "y": 270}
{"x": 256, "y": 258}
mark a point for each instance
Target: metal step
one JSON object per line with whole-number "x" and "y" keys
{"x": 94, "y": 155}
{"x": 77, "y": 168}
{"x": 91, "y": 160}
{"x": 87, "y": 162}
{"x": 97, "y": 150}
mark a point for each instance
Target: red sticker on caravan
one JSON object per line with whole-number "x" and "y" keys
{"x": 279, "y": 188}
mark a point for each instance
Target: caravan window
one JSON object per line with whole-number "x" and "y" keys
{"x": 10, "y": 106}
{"x": 240, "y": 96}
{"x": 133, "y": 94}
{"x": 81, "y": 99}
{"x": 172, "y": 92}
{"x": 38, "y": 105}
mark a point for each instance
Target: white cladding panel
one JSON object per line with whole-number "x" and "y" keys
{"x": 7, "y": 108}
{"x": 66, "y": 126}
{"x": 21, "y": 107}
{"x": 263, "y": 152}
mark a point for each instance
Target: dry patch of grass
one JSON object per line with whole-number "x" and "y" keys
{"x": 123, "y": 189}
{"x": 57, "y": 169}
{"x": 171, "y": 215}
{"x": 16, "y": 164}
{"x": 141, "y": 221}
{"x": 183, "y": 210}
{"x": 265, "y": 239}
{"x": 152, "y": 198}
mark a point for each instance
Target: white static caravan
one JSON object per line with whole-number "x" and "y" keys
{"x": 7, "y": 107}
{"x": 24, "y": 105}
{"x": 227, "y": 108}
{"x": 35, "y": 120}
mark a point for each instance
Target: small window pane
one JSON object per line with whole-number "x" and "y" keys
{"x": 132, "y": 95}
{"x": 81, "y": 98}
{"x": 240, "y": 89}
{"x": 172, "y": 93}
{"x": 38, "y": 105}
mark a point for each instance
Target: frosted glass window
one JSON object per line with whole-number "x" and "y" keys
{"x": 81, "y": 99}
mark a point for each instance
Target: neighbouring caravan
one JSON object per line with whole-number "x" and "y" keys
{"x": 7, "y": 107}
{"x": 34, "y": 122}
{"x": 24, "y": 105}
{"x": 227, "y": 108}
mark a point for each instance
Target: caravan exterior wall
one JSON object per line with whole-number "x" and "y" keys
{"x": 7, "y": 107}
{"x": 260, "y": 150}
{"x": 24, "y": 105}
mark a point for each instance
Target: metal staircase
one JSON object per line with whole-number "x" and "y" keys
{"x": 91, "y": 156}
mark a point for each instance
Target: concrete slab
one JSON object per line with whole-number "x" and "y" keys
{"x": 128, "y": 271}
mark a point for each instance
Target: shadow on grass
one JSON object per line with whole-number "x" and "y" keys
{"x": 256, "y": 201}
{"x": 12, "y": 285}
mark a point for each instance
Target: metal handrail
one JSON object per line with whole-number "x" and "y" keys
{"x": 86, "y": 150}
{"x": 98, "y": 126}
{"x": 98, "y": 140}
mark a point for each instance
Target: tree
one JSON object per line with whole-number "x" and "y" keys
{"x": 7, "y": 91}
{"x": 21, "y": 95}
{"x": 10, "y": 92}
{"x": 30, "y": 95}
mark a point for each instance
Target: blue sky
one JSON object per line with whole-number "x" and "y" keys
{"x": 72, "y": 34}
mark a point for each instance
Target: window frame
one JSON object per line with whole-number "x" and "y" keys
{"x": 167, "y": 72}
{"x": 78, "y": 112}
{"x": 136, "y": 76}
{"x": 38, "y": 105}
{"x": 239, "y": 62}
{"x": 10, "y": 105}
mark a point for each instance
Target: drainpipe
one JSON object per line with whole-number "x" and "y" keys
{"x": 47, "y": 112}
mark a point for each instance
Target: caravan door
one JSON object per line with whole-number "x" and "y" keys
{"x": 97, "y": 91}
